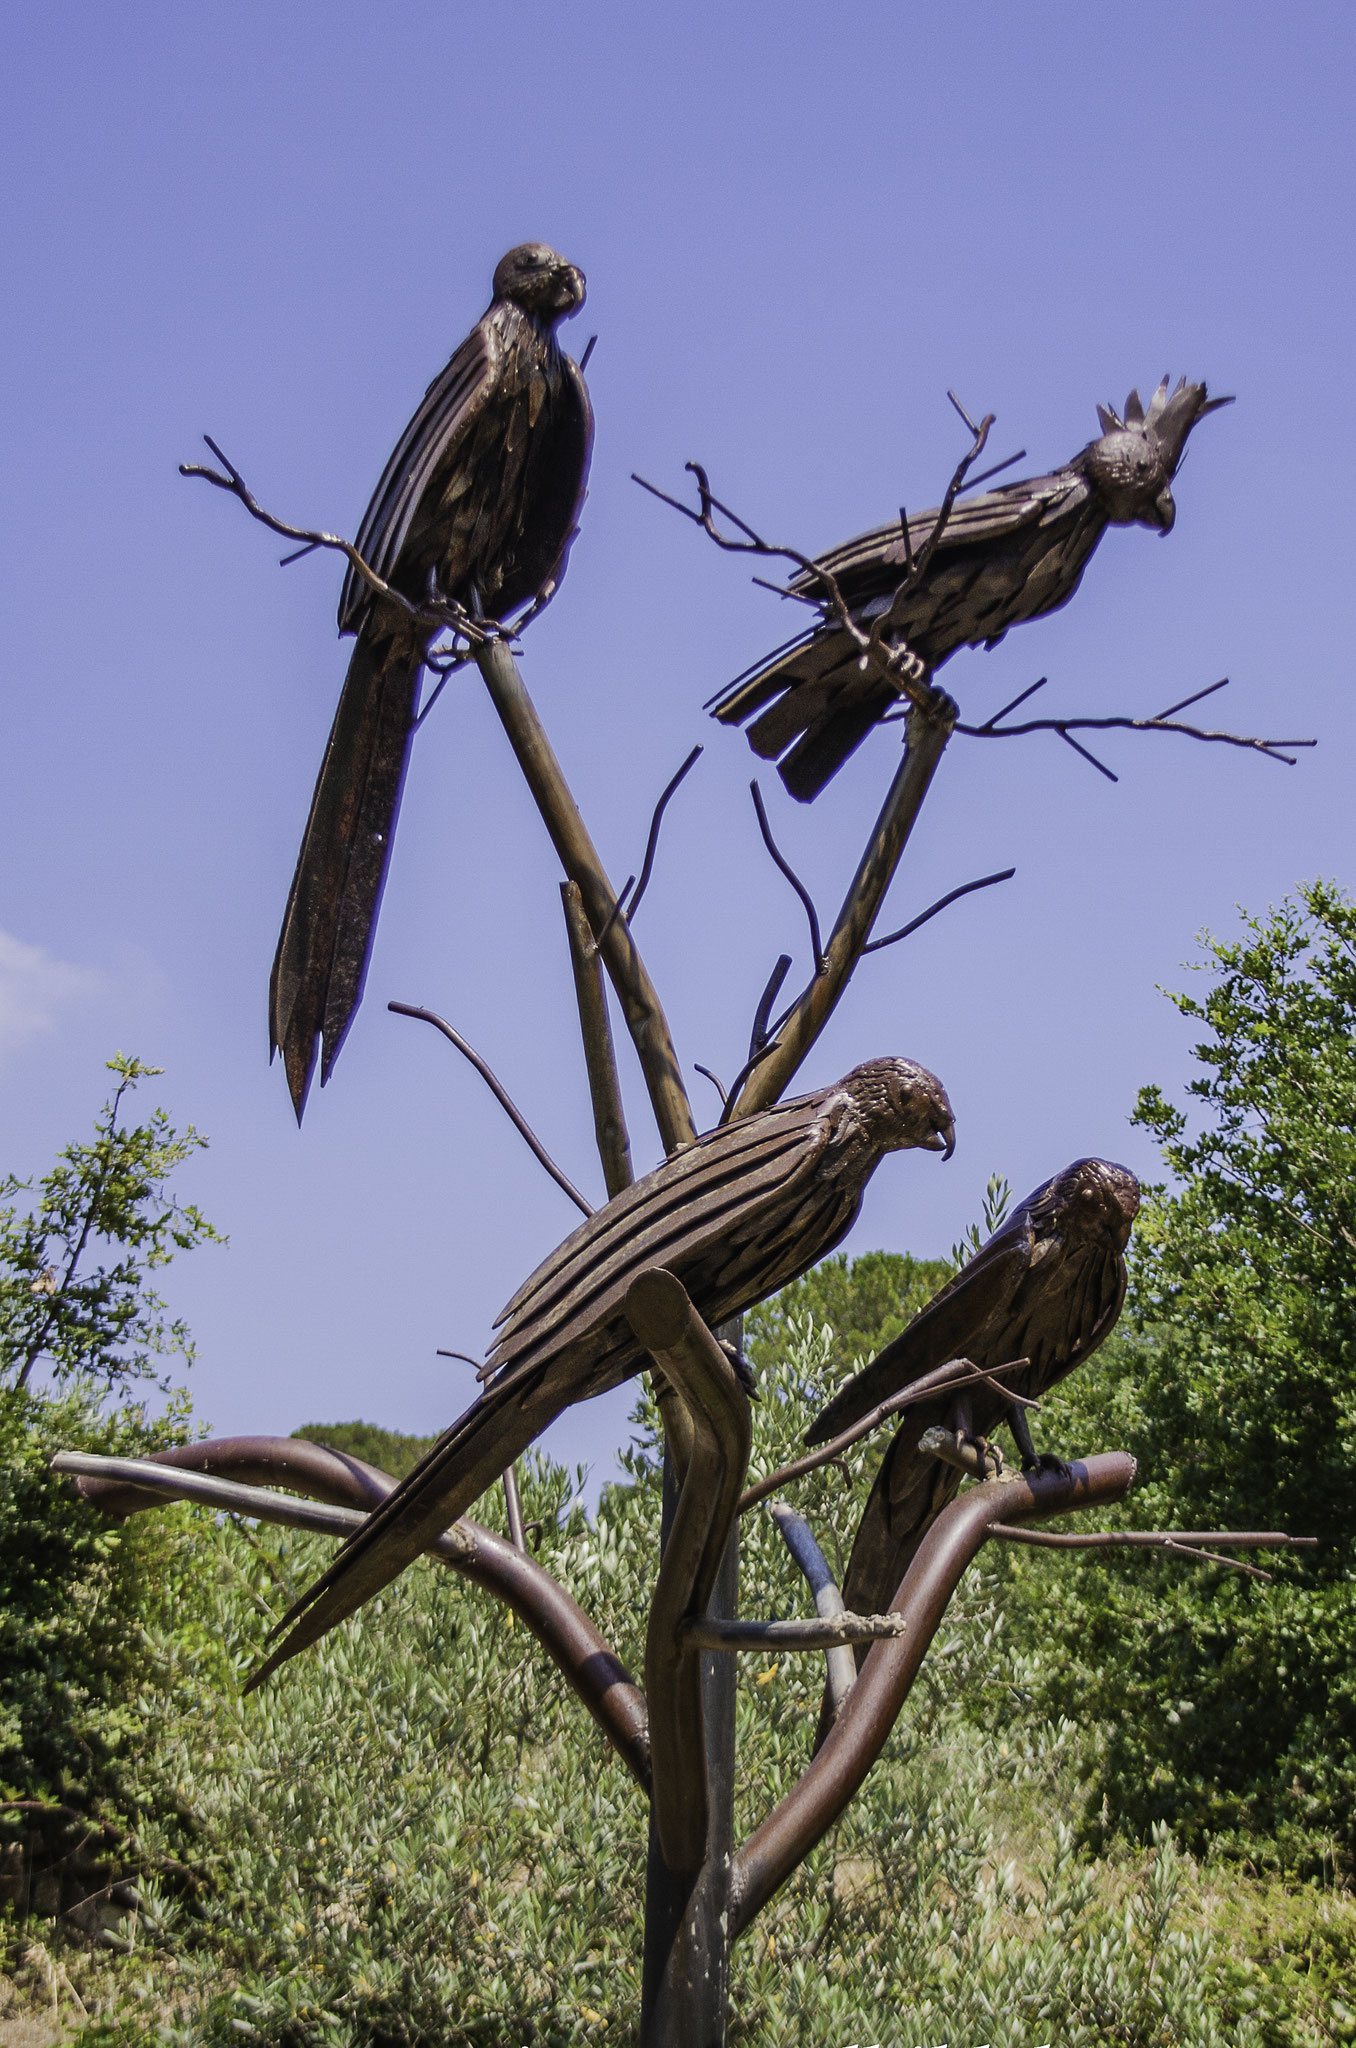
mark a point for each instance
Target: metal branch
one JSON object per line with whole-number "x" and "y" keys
{"x": 690, "y": 1359}
{"x": 439, "y": 612}
{"x": 714, "y": 1079}
{"x": 600, "y": 1057}
{"x": 758, "y": 1036}
{"x": 636, "y": 993}
{"x": 1183, "y": 1542}
{"x": 652, "y": 842}
{"x": 780, "y": 861}
{"x": 952, "y": 896}
{"x": 501, "y": 1096}
{"x": 976, "y": 1460}
{"x": 1162, "y": 721}
{"x": 928, "y": 730}
{"x": 955, "y": 1373}
{"x": 799, "y": 1539}
{"x": 832, "y": 1779}
{"x": 124, "y": 1486}
{"x": 836, "y": 1632}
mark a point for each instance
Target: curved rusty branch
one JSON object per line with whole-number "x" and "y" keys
{"x": 833, "y": 1777}
{"x": 690, "y": 1360}
{"x": 353, "y": 1488}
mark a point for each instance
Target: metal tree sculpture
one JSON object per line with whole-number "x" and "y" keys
{"x": 732, "y": 1217}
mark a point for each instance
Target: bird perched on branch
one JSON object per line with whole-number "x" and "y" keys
{"x": 734, "y": 1215}
{"x": 1009, "y": 554}
{"x": 476, "y": 507}
{"x": 1048, "y": 1287}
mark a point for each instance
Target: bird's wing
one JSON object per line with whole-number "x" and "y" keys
{"x": 972, "y": 521}
{"x": 948, "y": 1327}
{"x": 704, "y": 1235}
{"x": 693, "y": 1199}
{"x": 555, "y": 489}
{"x": 452, "y": 404}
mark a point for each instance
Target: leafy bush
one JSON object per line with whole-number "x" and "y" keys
{"x": 416, "y": 1836}
{"x": 1229, "y": 1705}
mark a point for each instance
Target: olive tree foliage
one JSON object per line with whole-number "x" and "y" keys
{"x": 75, "y": 1298}
{"x": 1229, "y": 1704}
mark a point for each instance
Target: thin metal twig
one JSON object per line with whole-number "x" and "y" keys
{"x": 501, "y": 1096}
{"x": 714, "y": 1079}
{"x": 952, "y": 896}
{"x": 792, "y": 877}
{"x": 1163, "y": 721}
{"x": 759, "y": 1035}
{"x": 943, "y": 1379}
{"x": 652, "y": 842}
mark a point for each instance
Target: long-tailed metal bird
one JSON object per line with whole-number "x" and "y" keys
{"x": 1047, "y": 1287}
{"x": 1009, "y": 554}
{"x": 735, "y": 1215}
{"x": 478, "y": 504}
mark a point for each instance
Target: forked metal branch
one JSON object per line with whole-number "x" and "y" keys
{"x": 351, "y": 1489}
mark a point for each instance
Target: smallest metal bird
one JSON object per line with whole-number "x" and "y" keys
{"x": 735, "y": 1215}
{"x": 478, "y": 504}
{"x": 1009, "y": 554}
{"x": 1047, "y": 1287}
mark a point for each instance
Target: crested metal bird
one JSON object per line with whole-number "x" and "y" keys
{"x": 1006, "y": 555}
{"x": 1048, "y": 1287}
{"x": 735, "y": 1215}
{"x": 478, "y": 505}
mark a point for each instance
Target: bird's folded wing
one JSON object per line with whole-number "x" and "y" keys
{"x": 946, "y": 1328}
{"x": 452, "y": 403}
{"x": 687, "y": 1177}
{"x": 672, "y": 1229}
{"x": 985, "y": 517}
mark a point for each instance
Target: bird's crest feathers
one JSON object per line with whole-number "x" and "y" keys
{"x": 1168, "y": 420}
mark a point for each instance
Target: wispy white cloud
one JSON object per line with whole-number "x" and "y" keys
{"x": 35, "y": 987}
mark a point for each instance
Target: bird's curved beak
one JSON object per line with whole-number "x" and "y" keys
{"x": 1165, "y": 511}
{"x": 571, "y": 290}
{"x": 942, "y": 1140}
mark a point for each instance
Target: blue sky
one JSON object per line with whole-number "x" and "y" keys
{"x": 800, "y": 225}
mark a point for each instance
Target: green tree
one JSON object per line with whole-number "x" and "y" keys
{"x": 101, "y": 1321}
{"x": 1230, "y": 1704}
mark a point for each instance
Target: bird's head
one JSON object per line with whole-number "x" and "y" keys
{"x": 1096, "y": 1200}
{"x": 902, "y": 1105}
{"x": 539, "y": 281}
{"x": 1132, "y": 466}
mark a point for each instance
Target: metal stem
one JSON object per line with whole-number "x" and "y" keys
{"x": 928, "y": 732}
{"x": 636, "y": 993}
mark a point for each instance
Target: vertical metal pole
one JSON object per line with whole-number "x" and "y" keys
{"x": 685, "y": 1977}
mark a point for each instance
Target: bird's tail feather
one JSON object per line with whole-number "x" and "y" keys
{"x": 464, "y": 1462}
{"x": 326, "y": 936}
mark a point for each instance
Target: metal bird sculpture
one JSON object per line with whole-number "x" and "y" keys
{"x": 1009, "y": 554}
{"x": 735, "y": 1215}
{"x": 478, "y": 505}
{"x": 1047, "y": 1287}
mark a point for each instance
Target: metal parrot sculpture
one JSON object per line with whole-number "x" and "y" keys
{"x": 478, "y": 505}
{"x": 1048, "y": 1287}
{"x": 734, "y": 1215}
{"x": 1006, "y": 555}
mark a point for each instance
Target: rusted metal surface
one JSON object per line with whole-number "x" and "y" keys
{"x": 479, "y": 502}
{"x": 600, "y": 1058}
{"x": 820, "y": 1634}
{"x": 636, "y": 993}
{"x": 928, "y": 732}
{"x": 588, "y": 1663}
{"x": 664, "y": 1320}
{"x": 956, "y": 577}
{"x": 734, "y": 1216}
{"x": 857, "y": 1737}
{"x": 799, "y": 1538}
{"x": 952, "y": 1377}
